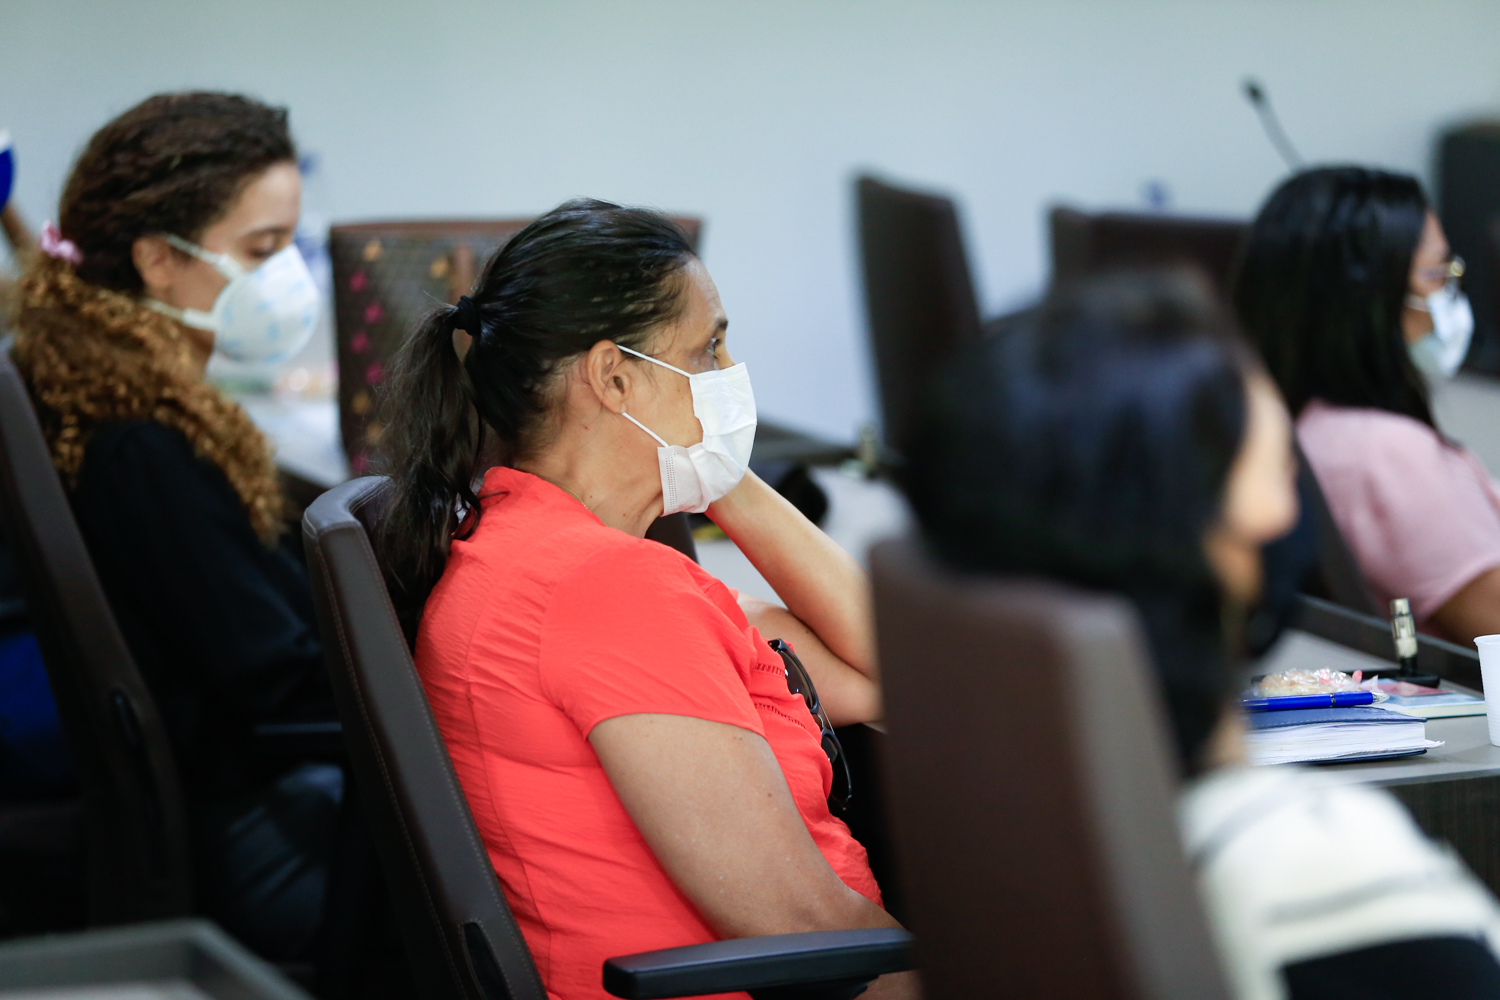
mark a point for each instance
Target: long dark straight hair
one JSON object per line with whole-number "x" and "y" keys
{"x": 1091, "y": 444}
{"x": 1322, "y": 285}
{"x": 586, "y": 271}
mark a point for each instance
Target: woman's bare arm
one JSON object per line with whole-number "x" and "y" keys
{"x": 848, "y": 696}
{"x": 711, "y": 801}
{"x": 1473, "y": 611}
{"x": 824, "y": 589}
{"x": 17, "y": 233}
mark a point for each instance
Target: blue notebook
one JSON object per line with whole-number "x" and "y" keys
{"x": 1333, "y": 734}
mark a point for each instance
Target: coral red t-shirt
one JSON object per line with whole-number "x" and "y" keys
{"x": 544, "y": 624}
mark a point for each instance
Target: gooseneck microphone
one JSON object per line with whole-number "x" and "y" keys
{"x": 1256, "y": 95}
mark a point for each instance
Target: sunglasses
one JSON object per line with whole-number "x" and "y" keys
{"x": 800, "y": 683}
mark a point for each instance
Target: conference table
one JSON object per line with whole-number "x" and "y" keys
{"x": 1453, "y": 791}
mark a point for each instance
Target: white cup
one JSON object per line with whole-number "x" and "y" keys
{"x": 1489, "y": 672}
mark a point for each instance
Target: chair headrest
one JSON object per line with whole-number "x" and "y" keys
{"x": 359, "y": 502}
{"x": 1025, "y": 725}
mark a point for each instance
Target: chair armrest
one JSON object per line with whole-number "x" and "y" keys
{"x": 835, "y": 958}
{"x": 320, "y": 740}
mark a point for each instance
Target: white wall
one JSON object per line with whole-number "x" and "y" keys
{"x": 755, "y": 115}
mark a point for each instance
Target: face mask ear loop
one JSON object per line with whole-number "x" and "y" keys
{"x": 644, "y": 428}
{"x": 221, "y": 262}
{"x": 195, "y": 318}
{"x": 654, "y": 361}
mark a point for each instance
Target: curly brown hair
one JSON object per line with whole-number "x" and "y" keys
{"x": 174, "y": 163}
{"x": 91, "y": 354}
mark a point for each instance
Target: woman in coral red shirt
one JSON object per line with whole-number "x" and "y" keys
{"x": 639, "y": 769}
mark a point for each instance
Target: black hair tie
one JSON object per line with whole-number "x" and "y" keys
{"x": 466, "y": 316}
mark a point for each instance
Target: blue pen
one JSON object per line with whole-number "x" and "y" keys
{"x": 1336, "y": 699}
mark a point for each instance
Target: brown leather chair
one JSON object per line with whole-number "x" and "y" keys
{"x": 919, "y": 297}
{"x": 461, "y": 938}
{"x": 1087, "y": 243}
{"x": 1033, "y": 791}
{"x": 137, "y": 838}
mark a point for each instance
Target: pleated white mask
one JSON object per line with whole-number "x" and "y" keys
{"x": 696, "y": 476}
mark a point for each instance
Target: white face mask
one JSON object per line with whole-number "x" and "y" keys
{"x": 692, "y": 478}
{"x": 1440, "y": 353}
{"x": 263, "y": 315}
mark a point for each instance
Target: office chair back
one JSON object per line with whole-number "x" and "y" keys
{"x": 1033, "y": 792}
{"x": 386, "y": 277}
{"x": 1336, "y": 575}
{"x": 919, "y": 296}
{"x": 139, "y": 866}
{"x": 461, "y": 938}
{"x": 1086, "y": 243}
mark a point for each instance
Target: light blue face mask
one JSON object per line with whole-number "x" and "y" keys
{"x": 265, "y": 315}
{"x": 1441, "y": 353}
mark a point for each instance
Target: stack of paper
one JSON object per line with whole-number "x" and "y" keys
{"x": 1333, "y": 734}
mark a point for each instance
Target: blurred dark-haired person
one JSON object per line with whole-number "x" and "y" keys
{"x": 639, "y": 765}
{"x": 1123, "y": 440}
{"x": 1348, "y": 288}
{"x": 174, "y": 241}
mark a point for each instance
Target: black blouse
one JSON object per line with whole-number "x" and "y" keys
{"x": 220, "y": 624}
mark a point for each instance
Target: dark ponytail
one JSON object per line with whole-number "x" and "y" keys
{"x": 586, "y": 271}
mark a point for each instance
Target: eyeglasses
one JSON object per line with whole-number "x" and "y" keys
{"x": 1451, "y": 271}
{"x": 800, "y": 683}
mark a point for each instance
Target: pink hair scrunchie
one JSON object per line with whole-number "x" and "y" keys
{"x": 53, "y": 244}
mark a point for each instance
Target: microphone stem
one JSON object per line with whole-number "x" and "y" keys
{"x": 1278, "y": 136}
{"x": 1256, "y": 95}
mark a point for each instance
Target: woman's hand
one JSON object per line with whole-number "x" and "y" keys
{"x": 827, "y": 617}
{"x": 17, "y": 233}
{"x": 712, "y": 803}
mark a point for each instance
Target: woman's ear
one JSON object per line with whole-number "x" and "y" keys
{"x": 605, "y": 371}
{"x": 157, "y": 265}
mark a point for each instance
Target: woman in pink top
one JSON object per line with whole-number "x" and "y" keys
{"x": 1348, "y": 288}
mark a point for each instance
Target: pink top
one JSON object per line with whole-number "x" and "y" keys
{"x": 1420, "y": 515}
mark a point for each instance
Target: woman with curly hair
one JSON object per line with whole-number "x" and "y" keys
{"x": 177, "y": 218}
